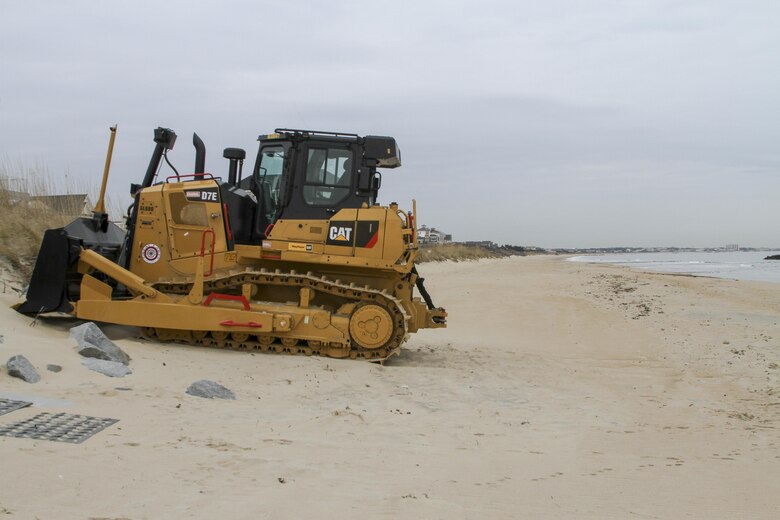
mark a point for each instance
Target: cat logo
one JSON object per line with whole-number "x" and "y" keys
{"x": 341, "y": 233}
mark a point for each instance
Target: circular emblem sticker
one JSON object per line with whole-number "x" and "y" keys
{"x": 150, "y": 253}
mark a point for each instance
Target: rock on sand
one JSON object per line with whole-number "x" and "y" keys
{"x": 19, "y": 366}
{"x": 210, "y": 390}
{"x": 94, "y": 344}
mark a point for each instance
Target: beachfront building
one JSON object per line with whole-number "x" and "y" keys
{"x": 13, "y": 192}
{"x": 77, "y": 204}
{"x": 432, "y": 236}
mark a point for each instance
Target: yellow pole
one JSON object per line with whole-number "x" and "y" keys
{"x": 100, "y": 207}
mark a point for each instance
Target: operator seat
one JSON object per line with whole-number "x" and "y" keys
{"x": 346, "y": 176}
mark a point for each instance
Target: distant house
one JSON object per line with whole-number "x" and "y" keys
{"x": 482, "y": 243}
{"x": 17, "y": 191}
{"x": 78, "y": 204}
{"x": 14, "y": 197}
{"x": 431, "y": 235}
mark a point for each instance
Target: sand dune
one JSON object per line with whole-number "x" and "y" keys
{"x": 559, "y": 390}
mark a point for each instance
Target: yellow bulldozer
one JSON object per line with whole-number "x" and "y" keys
{"x": 295, "y": 258}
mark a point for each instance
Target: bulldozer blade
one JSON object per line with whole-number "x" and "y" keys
{"x": 47, "y": 290}
{"x": 55, "y": 268}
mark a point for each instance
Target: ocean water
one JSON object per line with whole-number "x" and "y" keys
{"x": 736, "y": 265}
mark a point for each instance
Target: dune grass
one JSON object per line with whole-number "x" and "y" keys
{"x": 21, "y": 230}
{"x": 456, "y": 253}
{"x": 459, "y": 252}
{"x": 23, "y": 218}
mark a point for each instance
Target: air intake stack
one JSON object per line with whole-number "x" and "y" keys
{"x": 236, "y": 157}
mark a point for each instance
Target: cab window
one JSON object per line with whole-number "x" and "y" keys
{"x": 328, "y": 176}
{"x": 269, "y": 176}
{"x": 186, "y": 213}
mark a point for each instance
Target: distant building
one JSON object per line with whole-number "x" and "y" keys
{"x": 432, "y": 236}
{"x": 78, "y": 204}
{"x": 17, "y": 190}
{"x": 14, "y": 197}
{"x": 482, "y": 243}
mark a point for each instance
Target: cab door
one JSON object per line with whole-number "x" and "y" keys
{"x": 324, "y": 180}
{"x": 195, "y": 218}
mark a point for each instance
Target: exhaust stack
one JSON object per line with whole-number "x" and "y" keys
{"x": 200, "y": 156}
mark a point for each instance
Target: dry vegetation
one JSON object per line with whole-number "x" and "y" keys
{"x": 459, "y": 252}
{"x": 21, "y": 230}
{"x": 456, "y": 253}
{"x": 24, "y": 218}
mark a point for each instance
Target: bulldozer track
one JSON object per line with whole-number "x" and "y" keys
{"x": 233, "y": 281}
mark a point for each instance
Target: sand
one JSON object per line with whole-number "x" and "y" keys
{"x": 559, "y": 390}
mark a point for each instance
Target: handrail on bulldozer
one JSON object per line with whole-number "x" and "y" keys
{"x": 200, "y": 176}
{"x": 413, "y": 222}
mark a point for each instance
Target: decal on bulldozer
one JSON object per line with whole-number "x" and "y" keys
{"x": 203, "y": 195}
{"x": 367, "y": 233}
{"x": 150, "y": 253}
{"x": 341, "y": 233}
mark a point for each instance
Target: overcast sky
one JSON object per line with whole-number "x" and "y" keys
{"x": 556, "y": 123}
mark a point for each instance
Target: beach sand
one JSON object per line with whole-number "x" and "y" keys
{"x": 559, "y": 390}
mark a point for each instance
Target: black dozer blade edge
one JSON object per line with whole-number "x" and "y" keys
{"x": 55, "y": 267}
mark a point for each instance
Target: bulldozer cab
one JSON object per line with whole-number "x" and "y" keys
{"x": 298, "y": 175}
{"x": 304, "y": 174}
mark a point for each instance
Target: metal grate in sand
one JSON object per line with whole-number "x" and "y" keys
{"x": 9, "y": 405}
{"x": 62, "y": 427}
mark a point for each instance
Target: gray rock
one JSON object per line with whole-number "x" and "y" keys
{"x": 94, "y": 344}
{"x": 209, "y": 390}
{"x": 107, "y": 368}
{"x": 19, "y": 366}
{"x": 53, "y": 368}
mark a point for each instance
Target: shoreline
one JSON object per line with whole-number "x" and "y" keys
{"x": 664, "y": 263}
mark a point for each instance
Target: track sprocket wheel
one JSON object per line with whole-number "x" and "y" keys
{"x": 371, "y": 326}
